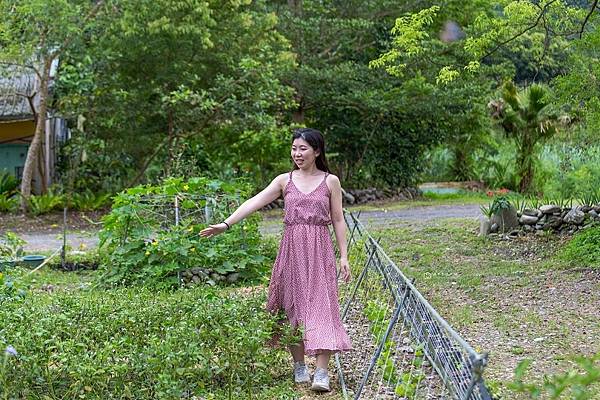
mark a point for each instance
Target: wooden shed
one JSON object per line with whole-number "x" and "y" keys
{"x": 18, "y": 100}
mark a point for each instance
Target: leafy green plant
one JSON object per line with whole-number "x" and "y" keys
{"x": 8, "y": 183}
{"x": 576, "y": 384}
{"x": 11, "y": 246}
{"x": 140, "y": 343}
{"x": 519, "y": 203}
{"x": 144, "y": 245}
{"x": 8, "y": 203}
{"x": 583, "y": 248}
{"x": 486, "y": 210}
{"x": 590, "y": 198}
{"x": 534, "y": 202}
{"x": 88, "y": 200}
{"x": 498, "y": 204}
{"x": 45, "y": 203}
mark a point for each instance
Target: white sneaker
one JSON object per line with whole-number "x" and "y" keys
{"x": 321, "y": 380}
{"x": 301, "y": 373}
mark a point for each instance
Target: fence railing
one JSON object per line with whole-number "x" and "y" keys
{"x": 403, "y": 349}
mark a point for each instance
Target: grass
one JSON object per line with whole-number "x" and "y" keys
{"x": 48, "y": 287}
{"x": 516, "y": 299}
{"x": 429, "y": 199}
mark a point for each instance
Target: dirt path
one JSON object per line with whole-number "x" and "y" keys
{"x": 44, "y": 242}
{"x": 405, "y": 216}
{"x": 46, "y": 239}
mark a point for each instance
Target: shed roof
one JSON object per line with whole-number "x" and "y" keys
{"x": 16, "y": 83}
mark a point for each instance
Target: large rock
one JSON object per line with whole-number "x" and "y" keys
{"x": 549, "y": 209}
{"x": 553, "y": 222}
{"x": 506, "y": 219}
{"x": 575, "y": 217}
{"x": 528, "y": 220}
{"x": 530, "y": 212}
{"x": 485, "y": 227}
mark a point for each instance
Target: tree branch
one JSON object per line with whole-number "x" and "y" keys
{"x": 93, "y": 12}
{"x": 535, "y": 24}
{"x": 587, "y": 18}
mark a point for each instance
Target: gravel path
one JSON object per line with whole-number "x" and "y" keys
{"x": 80, "y": 240}
{"x": 52, "y": 241}
{"x": 404, "y": 216}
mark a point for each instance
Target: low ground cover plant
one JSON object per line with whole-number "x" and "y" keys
{"x": 579, "y": 383}
{"x": 583, "y": 248}
{"x": 138, "y": 343}
{"x": 11, "y": 248}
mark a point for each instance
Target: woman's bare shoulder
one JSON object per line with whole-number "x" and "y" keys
{"x": 333, "y": 181}
{"x": 282, "y": 179}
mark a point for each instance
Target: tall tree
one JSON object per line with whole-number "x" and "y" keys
{"x": 378, "y": 126}
{"x": 173, "y": 72}
{"x": 33, "y": 36}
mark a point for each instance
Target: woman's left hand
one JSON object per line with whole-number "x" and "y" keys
{"x": 345, "y": 269}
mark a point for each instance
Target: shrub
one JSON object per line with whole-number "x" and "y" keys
{"x": 139, "y": 343}
{"x": 8, "y": 203}
{"x": 583, "y": 248}
{"x": 578, "y": 384}
{"x": 88, "y": 200}
{"x": 144, "y": 245}
{"x": 45, "y": 203}
{"x": 11, "y": 246}
{"x": 8, "y": 183}
{"x": 570, "y": 170}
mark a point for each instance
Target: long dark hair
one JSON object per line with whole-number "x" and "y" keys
{"x": 317, "y": 142}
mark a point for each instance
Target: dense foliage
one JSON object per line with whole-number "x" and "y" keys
{"x": 138, "y": 344}
{"x": 583, "y": 248}
{"x": 148, "y": 242}
{"x": 165, "y": 74}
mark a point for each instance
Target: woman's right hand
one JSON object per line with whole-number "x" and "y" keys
{"x": 213, "y": 230}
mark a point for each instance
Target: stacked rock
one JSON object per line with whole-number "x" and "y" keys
{"x": 197, "y": 275}
{"x": 361, "y": 196}
{"x": 554, "y": 218}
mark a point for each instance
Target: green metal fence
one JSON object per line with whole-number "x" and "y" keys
{"x": 403, "y": 349}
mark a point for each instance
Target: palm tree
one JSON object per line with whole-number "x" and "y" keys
{"x": 524, "y": 117}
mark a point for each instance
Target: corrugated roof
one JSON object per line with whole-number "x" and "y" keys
{"x": 16, "y": 83}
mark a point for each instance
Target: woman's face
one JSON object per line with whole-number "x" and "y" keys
{"x": 303, "y": 154}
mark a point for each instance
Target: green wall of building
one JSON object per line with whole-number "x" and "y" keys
{"x": 12, "y": 157}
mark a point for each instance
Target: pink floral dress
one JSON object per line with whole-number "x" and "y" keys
{"x": 304, "y": 282}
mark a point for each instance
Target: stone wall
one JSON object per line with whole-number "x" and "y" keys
{"x": 545, "y": 218}
{"x": 362, "y": 196}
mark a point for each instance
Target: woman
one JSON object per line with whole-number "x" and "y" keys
{"x": 304, "y": 279}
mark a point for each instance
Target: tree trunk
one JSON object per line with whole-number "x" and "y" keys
{"x": 296, "y": 6}
{"x": 525, "y": 166}
{"x": 33, "y": 153}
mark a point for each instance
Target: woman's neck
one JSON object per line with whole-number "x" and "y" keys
{"x": 309, "y": 171}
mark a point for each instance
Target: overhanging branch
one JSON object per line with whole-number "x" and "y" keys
{"x": 587, "y": 18}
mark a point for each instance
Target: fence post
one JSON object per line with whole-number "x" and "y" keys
{"x": 179, "y": 279}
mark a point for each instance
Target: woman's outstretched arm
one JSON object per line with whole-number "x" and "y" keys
{"x": 339, "y": 224}
{"x": 266, "y": 196}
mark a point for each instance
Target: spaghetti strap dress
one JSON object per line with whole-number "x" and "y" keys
{"x": 304, "y": 279}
